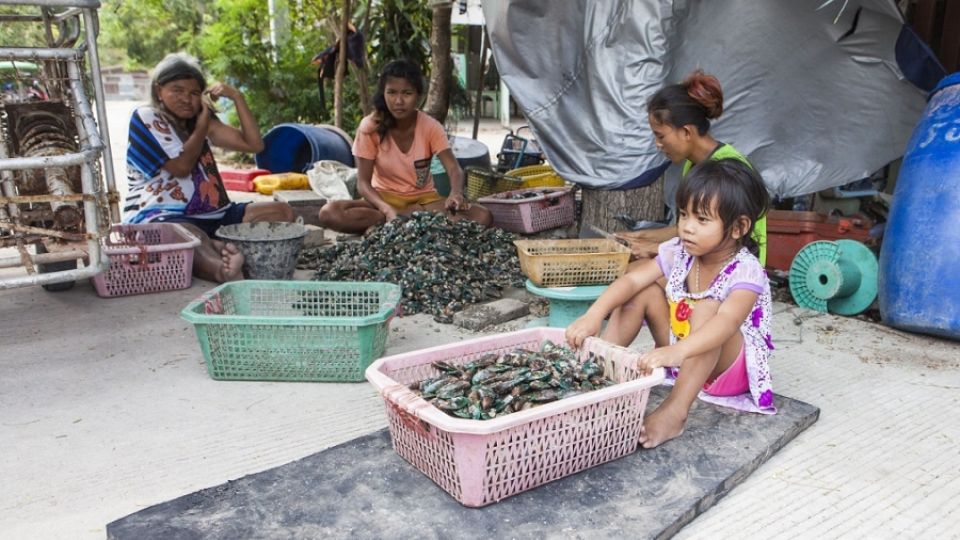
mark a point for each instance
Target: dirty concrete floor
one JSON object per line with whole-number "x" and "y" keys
{"x": 107, "y": 409}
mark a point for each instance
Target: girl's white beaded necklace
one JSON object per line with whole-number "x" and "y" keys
{"x": 697, "y": 274}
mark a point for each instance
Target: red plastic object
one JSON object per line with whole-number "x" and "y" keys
{"x": 240, "y": 179}
{"x": 788, "y": 232}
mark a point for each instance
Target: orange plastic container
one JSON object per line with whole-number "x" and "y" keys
{"x": 788, "y": 232}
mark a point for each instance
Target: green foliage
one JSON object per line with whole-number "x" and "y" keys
{"x": 232, "y": 40}
{"x": 403, "y": 31}
{"x": 21, "y": 34}
{"x": 147, "y": 30}
{"x": 235, "y": 47}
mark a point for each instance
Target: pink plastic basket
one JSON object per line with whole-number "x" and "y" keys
{"x": 479, "y": 462}
{"x": 146, "y": 258}
{"x": 550, "y": 209}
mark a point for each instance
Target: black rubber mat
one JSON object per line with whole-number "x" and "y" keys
{"x": 363, "y": 489}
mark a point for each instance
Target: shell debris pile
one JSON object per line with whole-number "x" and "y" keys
{"x": 440, "y": 265}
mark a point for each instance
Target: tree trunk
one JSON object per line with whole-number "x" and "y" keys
{"x": 366, "y": 102}
{"x": 341, "y": 68}
{"x": 600, "y": 206}
{"x": 438, "y": 93}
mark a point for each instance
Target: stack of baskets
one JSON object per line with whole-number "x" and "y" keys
{"x": 483, "y": 182}
{"x": 532, "y": 210}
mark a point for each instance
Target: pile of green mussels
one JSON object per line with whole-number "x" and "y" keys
{"x": 495, "y": 385}
{"x": 440, "y": 265}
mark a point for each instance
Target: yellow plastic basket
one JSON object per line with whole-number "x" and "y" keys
{"x": 532, "y": 170}
{"x": 535, "y": 176}
{"x": 570, "y": 263}
{"x": 484, "y": 182}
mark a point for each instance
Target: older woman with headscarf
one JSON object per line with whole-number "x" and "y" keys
{"x": 171, "y": 171}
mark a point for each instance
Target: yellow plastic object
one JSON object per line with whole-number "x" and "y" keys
{"x": 535, "y": 176}
{"x": 269, "y": 183}
{"x": 531, "y": 170}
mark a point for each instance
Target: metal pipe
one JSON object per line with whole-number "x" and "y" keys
{"x": 90, "y": 20}
{"x": 66, "y": 160}
{"x": 32, "y": 53}
{"x": 54, "y": 3}
{"x": 85, "y": 121}
{"x": 45, "y": 258}
{"x": 64, "y": 15}
{"x": 52, "y": 277}
{"x": 22, "y": 199}
{"x": 73, "y": 237}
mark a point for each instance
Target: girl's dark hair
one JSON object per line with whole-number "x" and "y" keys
{"x": 401, "y": 69}
{"x": 737, "y": 189}
{"x": 696, "y": 101}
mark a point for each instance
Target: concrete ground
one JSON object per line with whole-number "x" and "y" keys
{"x": 107, "y": 409}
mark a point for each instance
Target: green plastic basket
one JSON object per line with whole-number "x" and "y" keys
{"x": 308, "y": 331}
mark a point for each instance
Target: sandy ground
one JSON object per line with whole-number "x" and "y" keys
{"x": 108, "y": 408}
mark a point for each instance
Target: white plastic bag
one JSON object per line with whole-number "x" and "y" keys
{"x": 329, "y": 179}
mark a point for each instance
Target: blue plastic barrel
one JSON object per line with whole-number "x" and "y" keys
{"x": 295, "y": 147}
{"x": 920, "y": 258}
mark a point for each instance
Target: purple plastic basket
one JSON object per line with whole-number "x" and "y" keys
{"x": 550, "y": 209}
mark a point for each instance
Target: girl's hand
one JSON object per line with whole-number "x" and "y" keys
{"x": 390, "y": 214}
{"x": 580, "y": 329}
{"x": 455, "y": 202}
{"x": 219, "y": 90}
{"x": 671, "y": 356}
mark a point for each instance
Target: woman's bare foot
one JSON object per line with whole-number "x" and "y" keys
{"x": 663, "y": 424}
{"x": 231, "y": 268}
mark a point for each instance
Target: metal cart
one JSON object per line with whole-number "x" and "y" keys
{"x": 58, "y": 194}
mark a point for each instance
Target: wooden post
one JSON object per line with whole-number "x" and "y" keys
{"x": 438, "y": 92}
{"x": 600, "y": 205}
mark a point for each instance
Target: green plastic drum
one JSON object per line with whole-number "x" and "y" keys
{"x": 837, "y": 277}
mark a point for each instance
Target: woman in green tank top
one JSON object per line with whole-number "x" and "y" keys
{"x": 680, "y": 116}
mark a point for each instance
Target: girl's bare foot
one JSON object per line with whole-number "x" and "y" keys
{"x": 231, "y": 268}
{"x": 663, "y": 424}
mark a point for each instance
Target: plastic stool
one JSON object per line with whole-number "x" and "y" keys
{"x": 566, "y": 303}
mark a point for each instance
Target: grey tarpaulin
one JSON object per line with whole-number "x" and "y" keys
{"x": 815, "y": 100}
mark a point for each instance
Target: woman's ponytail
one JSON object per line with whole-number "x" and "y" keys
{"x": 696, "y": 101}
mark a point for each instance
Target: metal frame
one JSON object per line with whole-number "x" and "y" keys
{"x": 94, "y": 145}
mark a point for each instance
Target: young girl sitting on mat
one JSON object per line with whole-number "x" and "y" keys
{"x": 710, "y": 312}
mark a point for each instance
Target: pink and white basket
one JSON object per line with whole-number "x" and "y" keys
{"x": 479, "y": 462}
{"x": 550, "y": 209}
{"x": 146, "y": 258}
